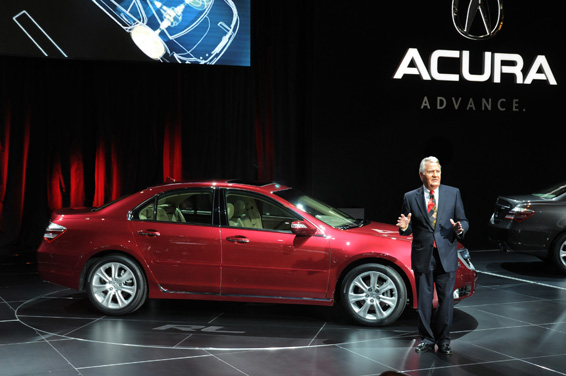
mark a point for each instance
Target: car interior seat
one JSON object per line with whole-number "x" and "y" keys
{"x": 252, "y": 214}
{"x": 146, "y": 213}
{"x": 238, "y": 217}
{"x": 230, "y": 213}
{"x": 162, "y": 215}
{"x": 245, "y": 214}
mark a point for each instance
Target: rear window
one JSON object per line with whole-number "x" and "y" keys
{"x": 552, "y": 191}
{"x": 184, "y": 206}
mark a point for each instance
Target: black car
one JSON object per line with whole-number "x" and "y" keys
{"x": 533, "y": 223}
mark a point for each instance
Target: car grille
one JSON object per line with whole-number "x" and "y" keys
{"x": 462, "y": 292}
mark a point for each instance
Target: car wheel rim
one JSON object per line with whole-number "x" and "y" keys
{"x": 562, "y": 254}
{"x": 373, "y": 295}
{"x": 114, "y": 285}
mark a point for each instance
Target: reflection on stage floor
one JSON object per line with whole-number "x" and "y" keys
{"x": 515, "y": 324}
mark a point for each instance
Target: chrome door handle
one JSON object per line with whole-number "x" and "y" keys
{"x": 238, "y": 239}
{"x": 149, "y": 233}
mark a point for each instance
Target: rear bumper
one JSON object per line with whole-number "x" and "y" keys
{"x": 517, "y": 237}
{"x": 53, "y": 266}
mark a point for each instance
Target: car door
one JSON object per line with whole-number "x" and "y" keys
{"x": 262, "y": 257}
{"x": 175, "y": 232}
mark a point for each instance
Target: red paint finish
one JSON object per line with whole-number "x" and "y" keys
{"x": 193, "y": 241}
{"x": 184, "y": 257}
{"x": 299, "y": 267}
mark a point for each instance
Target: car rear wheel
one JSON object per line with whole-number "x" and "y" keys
{"x": 116, "y": 285}
{"x": 373, "y": 294}
{"x": 558, "y": 253}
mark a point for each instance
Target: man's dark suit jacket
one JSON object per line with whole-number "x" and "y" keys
{"x": 449, "y": 206}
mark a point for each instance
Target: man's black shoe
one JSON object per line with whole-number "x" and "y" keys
{"x": 425, "y": 347}
{"x": 445, "y": 349}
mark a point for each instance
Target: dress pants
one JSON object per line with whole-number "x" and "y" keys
{"x": 435, "y": 324}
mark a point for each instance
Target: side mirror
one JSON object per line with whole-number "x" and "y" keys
{"x": 302, "y": 228}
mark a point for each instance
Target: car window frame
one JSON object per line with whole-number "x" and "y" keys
{"x": 224, "y": 212}
{"x": 134, "y": 213}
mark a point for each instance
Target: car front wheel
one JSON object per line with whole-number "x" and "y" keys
{"x": 558, "y": 253}
{"x": 116, "y": 285}
{"x": 373, "y": 294}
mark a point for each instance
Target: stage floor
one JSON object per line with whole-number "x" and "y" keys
{"x": 515, "y": 324}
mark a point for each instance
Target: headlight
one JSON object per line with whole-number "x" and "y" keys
{"x": 464, "y": 256}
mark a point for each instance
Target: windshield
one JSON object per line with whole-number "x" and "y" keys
{"x": 323, "y": 212}
{"x": 552, "y": 191}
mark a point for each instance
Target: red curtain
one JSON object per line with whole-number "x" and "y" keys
{"x": 55, "y": 185}
{"x": 99, "y": 173}
{"x": 23, "y": 155}
{"x": 102, "y": 180}
{"x": 77, "y": 178}
{"x": 173, "y": 152}
{"x": 173, "y": 140}
{"x": 264, "y": 137}
{"x": 4, "y": 154}
{"x": 116, "y": 171}
{"x": 81, "y": 133}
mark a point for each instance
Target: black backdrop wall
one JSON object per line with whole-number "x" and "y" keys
{"x": 318, "y": 109}
{"x": 371, "y": 130}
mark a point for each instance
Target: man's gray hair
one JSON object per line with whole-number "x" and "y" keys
{"x": 430, "y": 159}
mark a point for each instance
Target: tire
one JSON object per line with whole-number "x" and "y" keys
{"x": 373, "y": 294}
{"x": 558, "y": 253}
{"x": 116, "y": 285}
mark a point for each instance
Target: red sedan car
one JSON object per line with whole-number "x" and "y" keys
{"x": 233, "y": 241}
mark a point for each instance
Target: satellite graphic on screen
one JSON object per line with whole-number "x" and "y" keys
{"x": 193, "y": 31}
{"x": 174, "y": 31}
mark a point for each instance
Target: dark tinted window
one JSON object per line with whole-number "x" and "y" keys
{"x": 183, "y": 206}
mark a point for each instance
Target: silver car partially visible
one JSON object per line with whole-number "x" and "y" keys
{"x": 533, "y": 223}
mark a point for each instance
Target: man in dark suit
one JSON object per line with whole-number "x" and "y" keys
{"x": 434, "y": 215}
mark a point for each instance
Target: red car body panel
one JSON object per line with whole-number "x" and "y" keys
{"x": 297, "y": 266}
{"x": 219, "y": 262}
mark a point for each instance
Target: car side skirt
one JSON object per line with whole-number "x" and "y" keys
{"x": 168, "y": 294}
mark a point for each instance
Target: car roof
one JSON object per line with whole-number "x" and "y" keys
{"x": 254, "y": 185}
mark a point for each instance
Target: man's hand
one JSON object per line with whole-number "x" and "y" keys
{"x": 403, "y": 222}
{"x": 456, "y": 226}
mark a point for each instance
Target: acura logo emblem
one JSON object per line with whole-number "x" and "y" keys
{"x": 477, "y": 19}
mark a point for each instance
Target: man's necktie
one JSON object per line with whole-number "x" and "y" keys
{"x": 431, "y": 208}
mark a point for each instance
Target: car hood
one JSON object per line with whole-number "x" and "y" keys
{"x": 379, "y": 229}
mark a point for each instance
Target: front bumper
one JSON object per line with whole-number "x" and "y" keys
{"x": 466, "y": 277}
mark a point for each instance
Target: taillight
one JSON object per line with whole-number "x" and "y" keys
{"x": 53, "y": 231}
{"x": 519, "y": 214}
